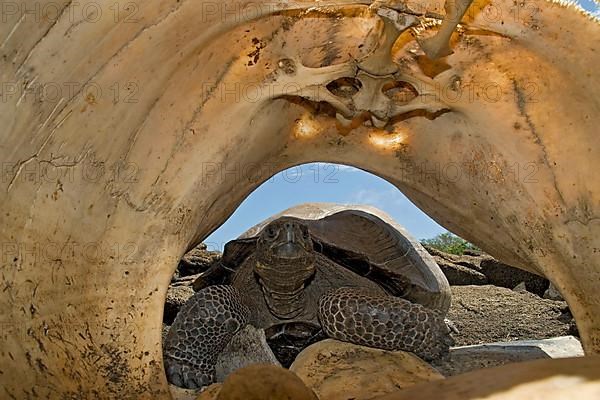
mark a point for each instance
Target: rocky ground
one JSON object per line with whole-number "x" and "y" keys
{"x": 484, "y": 314}
{"x": 494, "y": 302}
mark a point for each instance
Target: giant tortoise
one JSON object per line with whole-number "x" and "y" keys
{"x": 350, "y": 270}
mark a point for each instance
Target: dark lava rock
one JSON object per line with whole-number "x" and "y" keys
{"x": 196, "y": 261}
{"x": 477, "y": 268}
{"x": 177, "y": 296}
{"x": 502, "y": 275}
{"x": 459, "y": 270}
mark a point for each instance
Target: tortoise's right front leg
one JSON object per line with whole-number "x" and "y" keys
{"x": 201, "y": 330}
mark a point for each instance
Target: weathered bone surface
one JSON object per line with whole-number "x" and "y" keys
{"x": 132, "y": 130}
{"x": 547, "y": 379}
{"x": 439, "y": 45}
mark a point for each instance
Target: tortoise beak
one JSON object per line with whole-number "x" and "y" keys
{"x": 289, "y": 250}
{"x": 289, "y": 234}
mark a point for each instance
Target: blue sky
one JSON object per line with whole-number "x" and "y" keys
{"x": 321, "y": 182}
{"x": 331, "y": 183}
{"x": 591, "y": 6}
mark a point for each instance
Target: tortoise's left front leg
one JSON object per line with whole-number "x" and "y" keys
{"x": 385, "y": 322}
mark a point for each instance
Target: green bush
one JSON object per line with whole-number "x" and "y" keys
{"x": 449, "y": 243}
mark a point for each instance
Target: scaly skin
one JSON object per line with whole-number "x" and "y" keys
{"x": 384, "y": 322}
{"x": 202, "y": 329}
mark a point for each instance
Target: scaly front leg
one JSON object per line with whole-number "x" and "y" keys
{"x": 384, "y": 322}
{"x": 202, "y": 329}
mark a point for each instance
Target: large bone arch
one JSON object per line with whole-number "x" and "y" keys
{"x": 87, "y": 325}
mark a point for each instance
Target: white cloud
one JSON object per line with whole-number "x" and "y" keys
{"x": 367, "y": 197}
{"x": 338, "y": 167}
{"x": 347, "y": 168}
{"x": 379, "y": 198}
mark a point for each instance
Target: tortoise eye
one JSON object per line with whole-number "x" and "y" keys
{"x": 271, "y": 233}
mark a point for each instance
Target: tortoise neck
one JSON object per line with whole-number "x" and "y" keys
{"x": 283, "y": 286}
{"x": 285, "y": 304}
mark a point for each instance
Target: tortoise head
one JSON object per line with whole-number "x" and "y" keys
{"x": 284, "y": 262}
